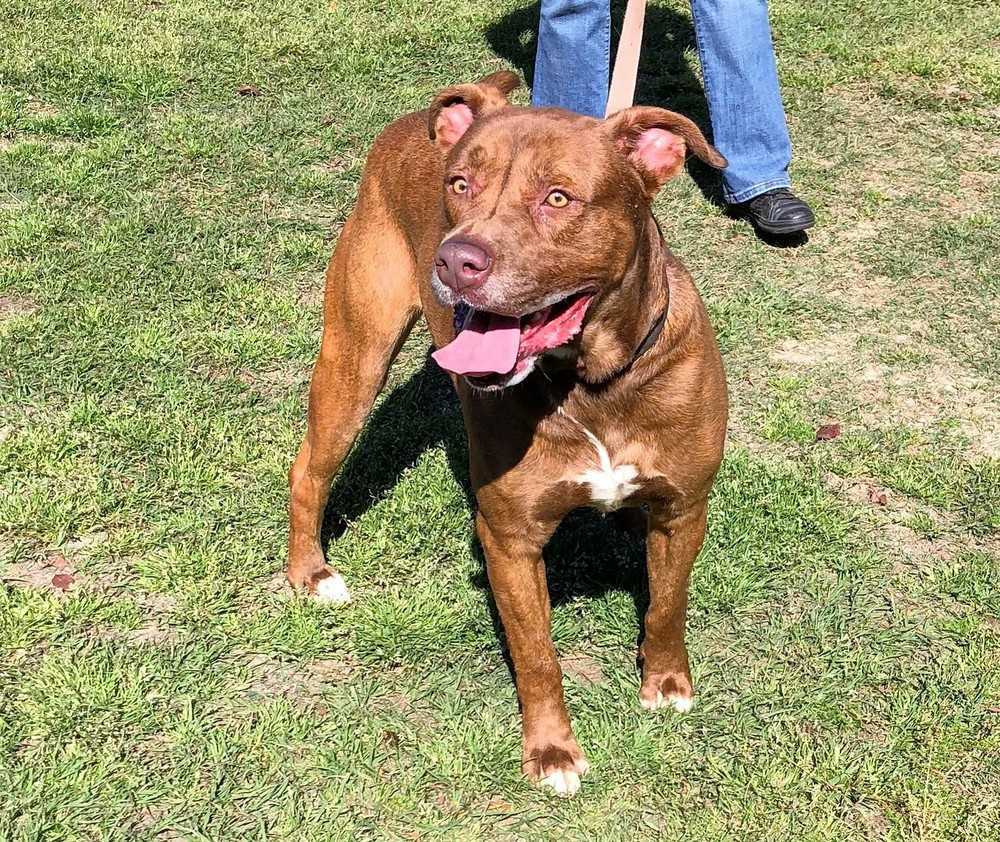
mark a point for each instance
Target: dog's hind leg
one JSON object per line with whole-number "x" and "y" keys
{"x": 372, "y": 301}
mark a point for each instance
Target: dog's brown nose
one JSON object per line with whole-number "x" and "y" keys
{"x": 462, "y": 265}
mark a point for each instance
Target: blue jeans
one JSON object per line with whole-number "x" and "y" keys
{"x": 738, "y": 68}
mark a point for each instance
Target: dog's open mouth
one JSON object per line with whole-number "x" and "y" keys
{"x": 490, "y": 348}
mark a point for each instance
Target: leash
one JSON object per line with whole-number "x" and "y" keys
{"x": 622, "y": 95}
{"x": 626, "y": 71}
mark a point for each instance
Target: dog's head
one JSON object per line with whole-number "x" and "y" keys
{"x": 546, "y": 211}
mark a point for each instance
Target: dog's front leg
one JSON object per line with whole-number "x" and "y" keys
{"x": 516, "y": 571}
{"x": 672, "y": 543}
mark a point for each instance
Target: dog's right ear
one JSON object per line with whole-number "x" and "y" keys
{"x": 453, "y": 109}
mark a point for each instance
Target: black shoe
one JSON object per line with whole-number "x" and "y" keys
{"x": 778, "y": 212}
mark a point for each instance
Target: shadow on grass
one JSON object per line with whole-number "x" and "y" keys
{"x": 589, "y": 555}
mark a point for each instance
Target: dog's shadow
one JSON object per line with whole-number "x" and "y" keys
{"x": 666, "y": 77}
{"x": 589, "y": 555}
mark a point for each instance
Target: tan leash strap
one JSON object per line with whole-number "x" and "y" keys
{"x": 626, "y": 71}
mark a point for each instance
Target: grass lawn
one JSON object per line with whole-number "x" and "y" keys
{"x": 173, "y": 176}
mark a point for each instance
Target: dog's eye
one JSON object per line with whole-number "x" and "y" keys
{"x": 557, "y": 199}
{"x": 459, "y": 185}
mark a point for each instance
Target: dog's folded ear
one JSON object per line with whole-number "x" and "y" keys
{"x": 453, "y": 109}
{"x": 656, "y": 142}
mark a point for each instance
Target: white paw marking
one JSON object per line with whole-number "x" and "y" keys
{"x": 564, "y": 783}
{"x": 609, "y": 485}
{"x": 333, "y": 589}
{"x": 681, "y": 704}
{"x": 652, "y": 704}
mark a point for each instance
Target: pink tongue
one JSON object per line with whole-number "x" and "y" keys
{"x": 479, "y": 349}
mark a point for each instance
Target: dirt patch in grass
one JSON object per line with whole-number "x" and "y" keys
{"x": 340, "y": 164}
{"x": 863, "y": 493}
{"x": 86, "y": 542}
{"x": 270, "y": 677}
{"x": 328, "y": 218}
{"x": 67, "y": 571}
{"x": 37, "y": 108}
{"x": 11, "y": 305}
{"x": 52, "y": 573}
{"x": 926, "y": 388}
{"x": 889, "y": 514}
{"x": 155, "y": 629}
{"x": 831, "y": 350}
{"x": 275, "y": 382}
{"x": 310, "y": 295}
{"x": 925, "y": 395}
{"x": 978, "y": 189}
{"x": 151, "y": 633}
{"x": 918, "y": 552}
{"x": 158, "y": 603}
{"x": 913, "y": 173}
{"x": 582, "y": 669}
{"x": 400, "y": 703}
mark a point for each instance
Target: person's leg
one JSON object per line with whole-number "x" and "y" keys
{"x": 744, "y": 100}
{"x": 571, "y": 65}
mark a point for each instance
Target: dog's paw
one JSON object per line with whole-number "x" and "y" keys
{"x": 307, "y": 572}
{"x": 562, "y": 782}
{"x": 681, "y": 704}
{"x": 557, "y": 767}
{"x": 666, "y": 690}
{"x": 331, "y": 589}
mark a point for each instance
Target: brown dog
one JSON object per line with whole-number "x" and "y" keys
{"x": 589, "y": 373}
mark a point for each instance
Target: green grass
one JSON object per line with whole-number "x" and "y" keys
{"x": 162, "y": 243}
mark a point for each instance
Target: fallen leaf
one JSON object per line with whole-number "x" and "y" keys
{"x": 442, "y": 800}
{"x": 828, "y": 432}
{"x": 497, "y": 804}
{"x": 248, "y": 90}
{"x": 62, "y": 581}
{"x": 877, "y": 496}
{"x": 956, "y": 92}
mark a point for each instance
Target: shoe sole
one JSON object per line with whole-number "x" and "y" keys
{"x": 782, "y": 229}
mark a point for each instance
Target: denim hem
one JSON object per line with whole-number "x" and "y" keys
{"x": 606, "y": 43}
{"x": 700, "y": 40}
{"x": 756, "y": 190}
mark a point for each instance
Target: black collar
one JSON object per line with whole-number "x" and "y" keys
{"x": 650, "y": 340}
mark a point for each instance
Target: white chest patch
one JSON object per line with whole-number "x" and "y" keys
{"x": 610, "y": 485}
